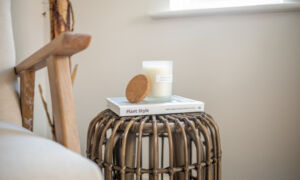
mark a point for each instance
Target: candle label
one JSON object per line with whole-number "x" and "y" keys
{"x": 164, "y": 78}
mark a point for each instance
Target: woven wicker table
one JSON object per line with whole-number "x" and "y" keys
{"x": 174, "y": 146}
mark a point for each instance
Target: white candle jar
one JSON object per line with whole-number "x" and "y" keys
{"x": 160, "y": 74}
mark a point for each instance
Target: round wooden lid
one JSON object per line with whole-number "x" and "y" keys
{"x": 137, "y": 88}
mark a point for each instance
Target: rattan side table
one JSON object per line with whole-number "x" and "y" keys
{"x": 174, "y": 146}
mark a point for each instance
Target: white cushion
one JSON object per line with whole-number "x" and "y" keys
{"x": 26, "y": 156}
{"x": 9, "y": 101}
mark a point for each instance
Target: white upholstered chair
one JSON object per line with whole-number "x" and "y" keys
{"x": 24, "y": 155}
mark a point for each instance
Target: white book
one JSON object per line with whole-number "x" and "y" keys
{"x": 177, "y": 104}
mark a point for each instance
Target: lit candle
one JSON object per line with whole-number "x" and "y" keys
{"x": 160, "y": 74}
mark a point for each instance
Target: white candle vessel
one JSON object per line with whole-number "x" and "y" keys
{"x": 160, "y": 74}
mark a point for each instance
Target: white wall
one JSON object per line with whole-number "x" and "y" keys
{"x": 245, "y": 67}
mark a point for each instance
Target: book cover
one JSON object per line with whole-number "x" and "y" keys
{"x": 177, "y": 104}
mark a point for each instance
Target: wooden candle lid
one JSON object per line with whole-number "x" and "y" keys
{"x": 137, "y": 88}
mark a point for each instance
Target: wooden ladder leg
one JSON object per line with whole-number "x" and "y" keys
{"x": 27, "y": 79}
{"x": 62, "y": 102}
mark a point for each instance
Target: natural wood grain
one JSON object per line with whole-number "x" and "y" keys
{"x": 66, "y": 44}
{"x": 59, "y": 17}
{"x": 27, "y": 79}
{"x": 56, "y": 56}
{"x": 63, "y": 103}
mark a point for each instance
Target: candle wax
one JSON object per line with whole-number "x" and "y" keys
{"x": 160, "y": 80}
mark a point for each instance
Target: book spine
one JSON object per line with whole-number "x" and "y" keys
{"x": 147, "y": 110}
{"x": 113, "y": 107}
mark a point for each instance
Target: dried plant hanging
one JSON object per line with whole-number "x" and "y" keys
{"x": 74, "y": 73}
{"x": 45, "y": 105}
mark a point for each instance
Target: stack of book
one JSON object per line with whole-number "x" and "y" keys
{"x": 177, "y": 104}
